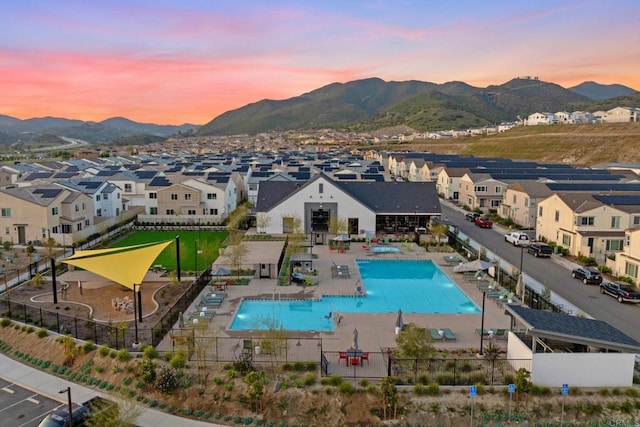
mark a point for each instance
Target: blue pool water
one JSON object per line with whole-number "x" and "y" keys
{"x": 384, "y": 249}
{"x": 413, "y": 286}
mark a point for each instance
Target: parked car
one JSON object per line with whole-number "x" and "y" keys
{"x": 484, "y": 222}
{"x": 60, "y": 417}
{"x": 538, "y": 249}
{"x": 517, "y": 238}
{"x": 471, "y": 216}
{"x": 588, "y": 275}
{"x": 623, "y": 292}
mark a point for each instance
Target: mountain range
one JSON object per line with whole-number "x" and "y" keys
{"x": 361, "y": 105}
{"x": 372, "y": 104}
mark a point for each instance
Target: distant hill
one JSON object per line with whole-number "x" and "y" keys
{"x": 14, "y": 130}
{"x": 600, "y": 92}
{"x": 373, "y": 103}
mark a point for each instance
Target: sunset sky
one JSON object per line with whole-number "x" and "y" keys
{"x": 174, "y": 62}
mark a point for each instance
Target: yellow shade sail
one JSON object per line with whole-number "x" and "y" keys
{"x": 127, "y": 265}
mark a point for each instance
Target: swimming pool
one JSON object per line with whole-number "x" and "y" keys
{"x": 385, "y": 249}
{"x": 411, "y": 285}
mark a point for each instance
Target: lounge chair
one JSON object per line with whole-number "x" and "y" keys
{"x": 505, "y": 298}
{"x": 212, "y": 291}
{"x": 448, "y": 334}
{"x": 453, "y": 259}
{"x": 483, "y": 332}
{"x": 209, "y": 298}
{"x": 497, "y": 295}
{"x": 487, "y": 287}
{"x": 210, "y": 303}
{"x": 469, "y": 274}
{"x": 204, "y": 314}
{"x": 482, "y": 277}
{"x": 500, "y": 333}
{"x": 435, "y": 334}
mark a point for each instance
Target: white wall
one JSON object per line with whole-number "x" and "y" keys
{"x": 347, "y": 207}
{"x": 583, "y": 369}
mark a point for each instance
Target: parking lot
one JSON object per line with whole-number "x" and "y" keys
{"x": 20, "y": 407}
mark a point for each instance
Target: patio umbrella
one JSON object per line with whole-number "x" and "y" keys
{"x": 367, "y": 235}
{"x": 475, "y": 265}
{"x": 520, "y": 286}
{"x": 355, "y": 338}
{"x": 221, "y": 271}
{"x": 399, "y": 321}
{"x": 342, "y": 238}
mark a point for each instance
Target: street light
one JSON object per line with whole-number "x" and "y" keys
{"x": 195, "y": 249}
{"x": 135, "y": 316}
{"x": 484, "y": 298}
{"x": 68, "y": 391}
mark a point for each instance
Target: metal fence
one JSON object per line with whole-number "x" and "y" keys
{"x": 447, "y": 371}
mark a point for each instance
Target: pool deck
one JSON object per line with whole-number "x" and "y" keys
{"x": 375, "y": 331}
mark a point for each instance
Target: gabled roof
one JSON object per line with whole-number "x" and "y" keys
{"x": 574, "y": 329}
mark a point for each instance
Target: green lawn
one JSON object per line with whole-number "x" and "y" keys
{"x": 208, "y": 243}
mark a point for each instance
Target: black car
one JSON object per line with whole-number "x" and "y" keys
{"x": 538, "y": 249}
{"x": 471, "y": 216}
{"x": 588, "y": 275}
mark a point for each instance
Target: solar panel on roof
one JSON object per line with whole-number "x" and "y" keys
{"x": 47, "y": 193}
{"x": 593, "y": 187}
{"x": 145, "y": 174}
{"x": 106, "y": 173}
{"x": 160, "y": 181}
{"x": 372, "y": 177}
{"x": 619, "y": 199}
{"x": 92, "y": 185}
{"x": 346, "y": 176}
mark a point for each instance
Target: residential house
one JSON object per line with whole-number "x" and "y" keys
{"x": 520, "y": 202}
{"x": 481, "y": 191}
{"x": 627, "y": 261}
{"x": 540, "y": 119}
{"x": 622, "y": 115}
{"x": 563, "y": 118}
{"x": 37, "y": 212}
{"x": 586, "y": 224}
{"x": 107, "y": 197}
{"x": 448, "y": 182}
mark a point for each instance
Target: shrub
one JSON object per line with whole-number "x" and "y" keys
{"x": 150, "y": 353}
{"x": 5, "y": 322}
{"x": 309, "y": 380}
{"x": 346, "y": 388}
{"x": 88, "y": 347}
{"x": 103, "y": 351}
{"x": 178, "y": 360}
{"x": 42, "y": 333}
{"x": 124, "y": 355}
{"x": 167, "y": 380}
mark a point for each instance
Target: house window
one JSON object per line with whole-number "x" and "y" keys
{"x": 174, "y": 196}
{"x": 615, "y": 222}
{"x": 77, "y": 208}
{"x": 636, "y": 220}
{"x": 118, "y": 196}
{"x": 7, "y": 230}
{"x": 191, "y": 212}
{"x": 586, "y": 220}
{"x": 153, "y": 195}
{"x": 127, "y": 188}
{"x": 54, "y": 210}
{"x": 253, "y": 187}
{"x": 566, "y": 240}
{"x": 79, "y": 226}
{"x": 495, "y": 203}
{"x": 557, "y": 216}
{"x": 498, "y": 190}
{"x": 153, "y": 211}
{"x": 6, "y": 212}
{"x": 480, "y": 189}
{"x": 540, "y": 211}
{"x": 99, "y": 212}
{"x": 170, "y": 212}
{"x": 627, "y": 239}
{"x": 117, "y": 211}
{"x": 43, "y": 233}
{"x": 87, "y": 223}
{"x": 105, "y": 196}
{"x": 631, "y": 269}
{"x": 84, "y": 206}
{"x": 515, "y": 199}
{"x": 614, "y": 245}
{"x": 98, "y": 198}
{"x": 187, "y": 196}
{"x": 212, "y": 196}
{"x": 320, "y": 188}
{"x": 213, "y": 211}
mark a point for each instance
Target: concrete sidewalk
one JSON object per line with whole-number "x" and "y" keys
{"x": 50, "y": 385}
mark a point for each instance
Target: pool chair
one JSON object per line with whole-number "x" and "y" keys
{"x": 210, "y": 302}
{"x": 483, "y": 332}
{"x": 342, "y": 355}
{"x": 204, "y": 314}
{"x": 500, "y": 334}
{"x": 365, "y": 357}
{"x": 448, "y": 334}
{"x": 453, "y": 259}
{"x": 481, "y": 277}
{"x": 435, "y": 334}
{"x": 487, "y": 286}
{"x": 505, "y": 298}
{"x": 497, "y": 295}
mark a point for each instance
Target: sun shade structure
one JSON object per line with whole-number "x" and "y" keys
{"x": 127, "y": 265}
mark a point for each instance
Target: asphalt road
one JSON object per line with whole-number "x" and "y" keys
{"x": 557, "y": 277}
{"x": 20, "y": 407}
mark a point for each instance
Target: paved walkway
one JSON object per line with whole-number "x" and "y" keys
{"x": 49, "y": 386}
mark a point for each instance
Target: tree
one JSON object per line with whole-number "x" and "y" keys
{"x": 389, "y": 393}
{"x": 438, "y": 231}
{"x": 256, "y": 382}
{"x": 70, "y": 350}
{"x": 236, "y": 254}
{"x": 274, "y": 341}
{"x": 414, "y": 342}
{"x": 263, "y": 221}
{"x": 338, "y": 225}
{"x": 49, "y": 244}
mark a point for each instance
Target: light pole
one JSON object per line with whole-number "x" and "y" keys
{"x": 484, "y": 298}
{"x": 195, "y": 249}
{"x": 135, "y": 316}
{"x": 68, "y": 391}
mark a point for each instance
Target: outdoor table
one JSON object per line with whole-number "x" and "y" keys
{"x": 354, "y": 354}
{"x": 220, "y": 286}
